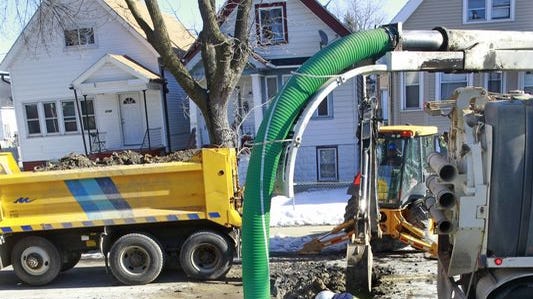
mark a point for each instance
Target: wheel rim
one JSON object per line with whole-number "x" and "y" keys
{"x": 35, "y": 260}
{"x": 206, "y": 257}
{"x": 135, "y": 259}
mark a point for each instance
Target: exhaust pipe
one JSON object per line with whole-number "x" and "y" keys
{"x": 443, "y": 225}
{"x": 446, "y": 171}
{"x": 445, "y": 197}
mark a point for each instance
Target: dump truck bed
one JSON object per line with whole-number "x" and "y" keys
{"x": 177, "y": 191}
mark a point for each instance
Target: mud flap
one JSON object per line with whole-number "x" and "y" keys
{"x": 359, "y": 269}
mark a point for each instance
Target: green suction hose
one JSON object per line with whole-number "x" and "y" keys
{"x": 279, "y": 119}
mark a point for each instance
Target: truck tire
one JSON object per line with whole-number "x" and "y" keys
{"x": 135, "y": 259}
{"x": 70, "y": 259}
{"x": 206, "y": 255}
{"x": 386, "y": 243}
{"x": 36, "y": 261}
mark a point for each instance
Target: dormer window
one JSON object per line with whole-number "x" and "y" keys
{"x": 79, "y": 37}
{"x": 271, "y": 23}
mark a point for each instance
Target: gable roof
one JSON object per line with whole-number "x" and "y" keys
{"x": 320, "y": 11}
{"x": 180, "y": 37}
{"x": 407, "y": 10}
{"x": 122, "y": 62}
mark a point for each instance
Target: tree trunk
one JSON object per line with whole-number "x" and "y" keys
{"x": 216, "y": 119}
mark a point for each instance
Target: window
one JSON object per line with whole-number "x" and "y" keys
{"x": 79, "y": 37}
{"x": 87, "y": 112}
{"x": 325, "y": 109}
{"x": 271, "y": 23}
{"x": 327, "y": 163}
{"x": 32, "y": 119}
{"x": 50, "y": 118}
{"x": 69, "y": 116}
{"x": 412, "y": 90}
{"x": 271, "y": 86}
{"x": 528, "y": 82}
{"x": 449, "y": 83}
{"x": 488, "y": 10}
{"x": 494, "y": 82}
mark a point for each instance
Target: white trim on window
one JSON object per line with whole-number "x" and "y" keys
{"x": 488, "y": 13}
{"x": 335, "y": 162}
{"x": 267, "y": 96}
{"x": 438, "y": 81}
{"x": 403, "y": 95}
{"x": 503, "y": 83}
{"x": 59, "y": 118}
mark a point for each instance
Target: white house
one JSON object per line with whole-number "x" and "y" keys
{"x": 284, "y": 35}
{"x": 94, "y": 84}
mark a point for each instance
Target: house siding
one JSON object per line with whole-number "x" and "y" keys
{"x": 449, "y": 14}
{"x": 177, "y": 115}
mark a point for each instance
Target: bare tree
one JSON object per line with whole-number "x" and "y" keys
{"x": 224, "y": 56}
{"x": 363, "y": 14}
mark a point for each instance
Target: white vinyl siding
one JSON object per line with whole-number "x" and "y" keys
{"x": 475, "y": 11}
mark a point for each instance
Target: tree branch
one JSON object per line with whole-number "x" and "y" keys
{"x": 132, "y": 5}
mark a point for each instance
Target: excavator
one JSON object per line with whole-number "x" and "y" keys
{"x": 400, "y": 153}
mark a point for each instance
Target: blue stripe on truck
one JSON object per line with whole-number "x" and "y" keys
{"x": 113, "y": 195}
{"x": 82, "y": 197}
{"x": 99, "y": 198}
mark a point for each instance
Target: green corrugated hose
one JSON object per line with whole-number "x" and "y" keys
{"x": 279, "y": 119}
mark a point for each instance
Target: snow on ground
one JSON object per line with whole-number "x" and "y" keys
{"x": 316, "y": 207}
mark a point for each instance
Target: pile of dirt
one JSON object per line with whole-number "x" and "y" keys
{"x": 304, "y": 277}
{"x": 76, "y": 161}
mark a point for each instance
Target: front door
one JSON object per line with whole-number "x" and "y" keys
{"x": 132, "y": 122}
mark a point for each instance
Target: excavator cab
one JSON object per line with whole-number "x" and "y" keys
{"x": 401, "y": 154}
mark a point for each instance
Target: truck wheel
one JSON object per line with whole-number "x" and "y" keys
{"x": 70, "y": 259}
{"x": 206, "y": 255}
{"x": 36, "y": 261}
{"x": 135, "y": 259}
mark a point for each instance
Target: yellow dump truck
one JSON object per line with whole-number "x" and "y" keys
{"x": 141, "y": 217}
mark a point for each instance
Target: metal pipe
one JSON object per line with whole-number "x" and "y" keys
{"x": 445, "y": 197}
{"x": 87, "y": 120}
{"x": 81, "y": 120}
{"x": 445, "y": 170}
{"x": 422, "y": 40}
{"x": 146, "y": 117}
{"x": 444, "y": 226}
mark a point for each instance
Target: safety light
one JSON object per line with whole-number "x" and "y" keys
{"x": 498, "y": 261}
{"x": 406, "y": 134}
